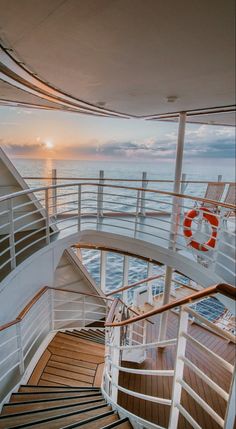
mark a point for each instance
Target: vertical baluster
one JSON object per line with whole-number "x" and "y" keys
{"x": 51, "y": 307}
{"x": 83, "y": 311}
{"x": 11, "y": 234}
{"x": 20, "y": 347}
{"x": 231, "y": 408}
{"x": 115, "y": 356}
{"x": 79, "y": 207}
{"x": 144, "y": 186}
{"x": 149, "y": 284}
{"x": 47, "y": 216}
{"x": 103, "y": 264}
{"x": 179, "y": 370}
{"x": 125, "y": 280}
{"x": 54, "y": 192}
{"x": 137, "y": 213}
{"x": 100, "y": 195}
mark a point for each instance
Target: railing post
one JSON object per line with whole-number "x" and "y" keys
{"x": 144, "y": 186}
{"x": 219, "y": 178}
{"x": 125, "y": 277}
{"x": 103, "y": 265}
{"x": 136, "y": 213}
{"x": 100, "y": 194}
{"x": 115, "y": 357}
{"x": 83, "y": 310}
{"x": 179, "y": 369}
{"x": 145, "y": 331}
{"x": 231, "y": 406}
{"x": 54, "y": 192}
{"x": 149, "y": 284}
{"x": 19, "y": 345}
{"x": 47, "y": 216}
{"x": 11, "y": 235}
{"x": 79, "y": 207}
{"x": 51, "y": 308}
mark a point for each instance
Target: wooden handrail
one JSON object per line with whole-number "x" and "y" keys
{"x": 132, "y": 188}
{"x": 225, "y": 289}
{"x": 38, "y": 295}
{"x": 147, "y": 279}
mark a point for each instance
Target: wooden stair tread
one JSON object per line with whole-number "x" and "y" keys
{"x": 15, "y": 397}
{"x": 12, "y": 408}
{"x": 64, "y": 381}
{"x": 71, "y": 368}
{"x": 84, "y": 339}
{"x": 74, "y": 362}
{"x": 61, "y": 351}
{"x": 43, "y": 414}
{"x": 77, "y": 346}
{"x": 66, "y": 420}
{"x": 100, "y": 422}
{"x": 69, "y": 374}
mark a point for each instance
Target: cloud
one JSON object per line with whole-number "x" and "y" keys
{"x": 202, "y": 142}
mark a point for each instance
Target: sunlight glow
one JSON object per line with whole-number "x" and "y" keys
{"x": 49, "y": 145}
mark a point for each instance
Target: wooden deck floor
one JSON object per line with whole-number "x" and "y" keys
{"x": 70, "y": 361}
{"x": 162, "y": 386}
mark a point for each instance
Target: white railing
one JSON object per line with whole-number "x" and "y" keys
{"x": 119, "y": 344}
{"x": 33, "y": 218}
{"x": 52, "y": 310}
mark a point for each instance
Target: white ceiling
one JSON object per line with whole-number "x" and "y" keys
{"x": 127, "y": 55}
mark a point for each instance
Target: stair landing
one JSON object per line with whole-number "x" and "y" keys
{"x": 71, "y": 360}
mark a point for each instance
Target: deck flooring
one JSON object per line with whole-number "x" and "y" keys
{"x": 162, "y": 386}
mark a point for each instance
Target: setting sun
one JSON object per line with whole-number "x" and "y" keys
{"x": 49, "y": 145}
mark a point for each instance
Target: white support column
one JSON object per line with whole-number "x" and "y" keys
{"x": 125, "y": 279}
{"x": 103, "y": 265}
{"x": 179, "y": 370}
{"x": 174, "y": 217}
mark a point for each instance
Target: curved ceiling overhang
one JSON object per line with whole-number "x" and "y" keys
{"x": 122, "y": 59}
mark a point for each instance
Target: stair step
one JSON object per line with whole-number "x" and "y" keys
{"x": 61, "y": 350}
{"x": 29, "y": 397}
{"x": 86, "y": 338}
{"x": 121, "y": 424}
{"x": 68, "y": 342}
{"x": 81, "y": 340}
{"x": 62, "y": 419}
{"x": 89, "y": 335}
{"x": 17, "y": 407}
{"x": 95, "y": 422}
{"x": 33, "y": 415}
{"x": 34, "y": 389}
{"x": 75, "y": 362}
{"x": 96, "y": 333}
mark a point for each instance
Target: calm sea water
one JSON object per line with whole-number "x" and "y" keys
{"x": 204, "y": 170}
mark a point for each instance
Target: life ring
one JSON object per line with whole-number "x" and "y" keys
{"x": 211, "y": 218}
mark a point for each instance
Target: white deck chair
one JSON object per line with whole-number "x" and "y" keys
{"x": 214, "y": 192}
{"x": 230, "y": 198}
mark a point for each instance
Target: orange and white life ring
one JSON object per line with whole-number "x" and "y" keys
{"x": 211, "y": 218}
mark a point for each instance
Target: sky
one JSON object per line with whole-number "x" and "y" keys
{"x": 30, "y": 133}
